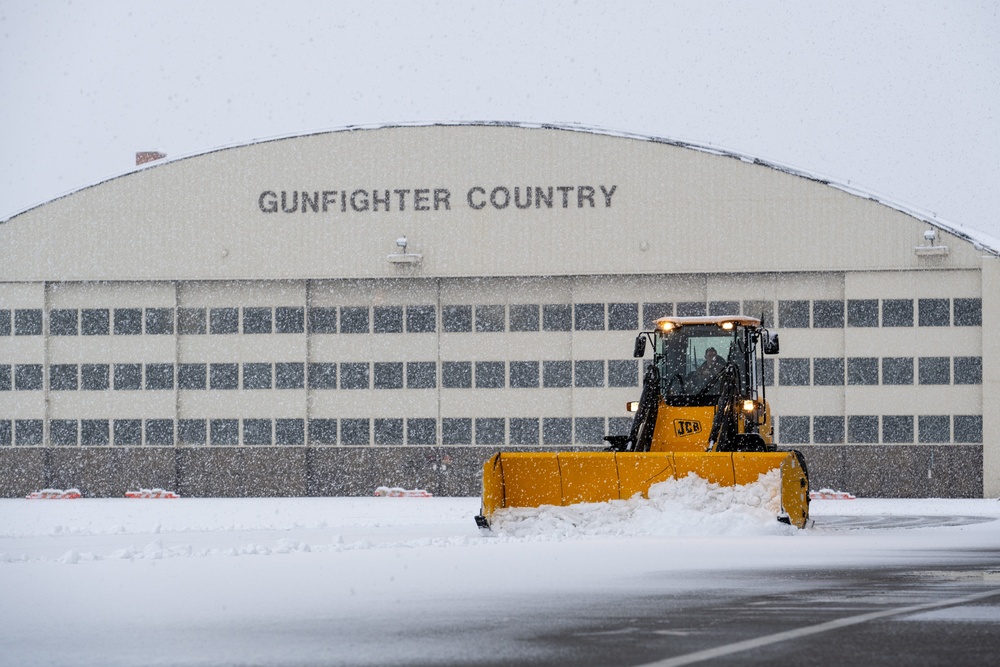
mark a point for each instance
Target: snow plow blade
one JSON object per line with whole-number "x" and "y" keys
{"x": 565, "y": 478}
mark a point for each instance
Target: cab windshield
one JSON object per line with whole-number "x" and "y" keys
{"x": 691, "y": 360}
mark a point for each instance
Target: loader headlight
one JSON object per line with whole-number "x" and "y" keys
{"x": 727, "y": 326}
{"x": 632, "y": 406}
{"x": 666, "y": 326}
{"x": 749, "y": 406}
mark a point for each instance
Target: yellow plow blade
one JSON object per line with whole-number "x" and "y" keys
{"x": 533, "y": 479}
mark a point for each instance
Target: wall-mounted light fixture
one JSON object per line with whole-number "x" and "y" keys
{"x": 403, "y": 257}
{"x": 930, "y": 249}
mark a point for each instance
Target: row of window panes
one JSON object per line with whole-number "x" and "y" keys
{"x": 894, "y": 429}
{"x": 836, "y": 371}
{"x": 362, "y": 431}
{"x": 351, "y": 375}
{"x": 485, "y": 318}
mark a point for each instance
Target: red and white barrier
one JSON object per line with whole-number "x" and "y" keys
{"x": 830, "y": 494}
{"x": 54, "y": 494}
{"x": 397, "y": 492}
{"x": 151, "y": 493}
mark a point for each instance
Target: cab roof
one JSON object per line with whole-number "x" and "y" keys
{"x": 717, "y": 320}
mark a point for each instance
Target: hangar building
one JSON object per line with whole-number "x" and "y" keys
{"x": 322, "y": 313}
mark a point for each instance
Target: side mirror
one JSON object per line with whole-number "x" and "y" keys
{"x": 640, "y": 346}
{"x": 770, "y": 342}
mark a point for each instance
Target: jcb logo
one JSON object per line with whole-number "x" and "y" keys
{"x": 686, "y": 427}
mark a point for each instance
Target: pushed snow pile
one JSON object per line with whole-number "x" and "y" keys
{"x": 830, "y": 494}
{"x": 151, "y": 493}
{"x": 397, "y": 492}
{"x": 54, "y": 494}
{"x": 686, "y": 506}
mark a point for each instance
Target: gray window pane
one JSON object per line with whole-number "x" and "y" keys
{"x": 933, "y": 312}
{"x": 28, "y": 377}
{"x": 933, "y": 428}
{"x": 524, "y": 317}
{"x": 968, "y": 370}
{"x": 257, "y": 321}
{"x": 421, "y": 375}
{"x": 388, "y": 375}
{"x": 224, "y": 321}
{"x": 354, "y": 320}
{"x": 421, "y": 319}
{"x": 862, "y": 428}
{"x": 557, "y": 373}
{"x": 388, "y": 319}
{"x": 257, "y": 432}
{"x": 456, "y": 374}
{"x": 28, "y": 322}
{"x": 523, "y": 431}
{"x": 4, "y": 322}
{"x": 524, "y": 375}
{"x": 589, "y": 316}
{"x": 968, "y": 428}
{"x": 354, "y": 375}
{"x": 128, "y": 376}
{"x": 862, "y": 312}
{"x": 623, "y": 316}
{"x": 388, "y": 431}
{"x": 828, "y": 429}
{"x": 63, "y": 377}
{"x": 160, "y": 432}
{"x": 490, "y": 375}
{"x": 793, "y": 314}
{"x": 654, "y": 311}
{"x": 828, "y": 314}
{"x": 760, "y": 309}
{"x": 224, "y": 432}
{"x": 793, "y": 372}
{"x": 690, "y": 309}
{"x": 490, "y": 319}
{"x": 421, "y": 431}
{"x": 589, "y": 430}
{"x": 321, "y": 376}
{"x": 557, "y": 430}
{"x": 28, "y": 432}
{"x": 94, "y": 377}
{"x": 619, "y": 425}
{"x": 192, "y": 431}
{"x": 6, "y": 382}
{"x": 897, "y": 312}
{"x": 793, "y": 430}
{"x": 63, "y": 322}
{"x": 257, "y": 376}
{"x": 934, "y": 370}
{"x": 456, "y": 431}
{"x": 128, "y": 321}
{"x": 289, "y": 320}
{"x": 589, "y": 373}
{"x": 223, "y": 376}
{"x": 95, "y": 432}
{"x": 159, "y": 376}
{"x": 862, "y": 370}
{"x": 95, "y": 322}
{"x": 897, "y": 370}
{"x": 191, "y": 376}
{"x": 490, "y": 431}
{"x": 191, "y": 321}
{"x": 159, "y": 321}
{"x": 557, "y": 317}
{"x": 289, "y": 432}
{"x": 63, "y": 432}
{"x": 456, "y": 319}
{"x": 6, "y": 433}
{"x": 767, "y": 371}
{"x": 968, "y": 312}
{"x": 323, "y": 320}
{"x": 897, "y": 428}
{"x": 128, "y": 432}
{"x": 828, "y": 371}
{"x": 724, "y": 308}
{"x": 623, "y": 373}
{"x": 323, "y": 432}
{"x": 289, "y": 375}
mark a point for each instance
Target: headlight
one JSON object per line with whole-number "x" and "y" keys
{"x": 632, "y": 406}
{"x": 727, "y": 326}
{"x": 749, "y": 406}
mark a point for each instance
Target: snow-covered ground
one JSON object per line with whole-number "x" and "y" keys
{"x": 301, "y": 581}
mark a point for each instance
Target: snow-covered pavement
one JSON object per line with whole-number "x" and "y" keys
{"x": 374, "y": 581}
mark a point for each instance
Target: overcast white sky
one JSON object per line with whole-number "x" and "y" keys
{"x": 900, "y": 99}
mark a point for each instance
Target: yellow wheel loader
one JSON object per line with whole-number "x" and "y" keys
{"x": 702, "y": 411}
